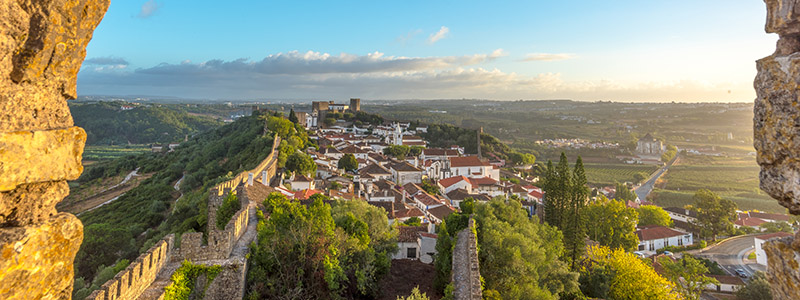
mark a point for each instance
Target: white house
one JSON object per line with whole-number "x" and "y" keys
{"x": 681, "y": 214}
{"x": 652, "y": 238}
{"x": 761, "y": 256}
{"x": 727, "y": 283}
{"x": 403, "y": 172}
{"x": 471, "y": 166}
{"x": 302, "y": 182}
{"x": 408, "y": 242}
{"x": 456, "y": 182}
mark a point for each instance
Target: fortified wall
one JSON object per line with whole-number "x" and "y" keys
{"x": 776, "y": 126}
{"x": 42, "y": 46}
{"x": 466, "y": 268}
{"x": 138, "y": 277}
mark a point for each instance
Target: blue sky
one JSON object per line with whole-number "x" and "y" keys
{"x": 506, "y": 50}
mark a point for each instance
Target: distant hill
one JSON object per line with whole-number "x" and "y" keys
{"x": 120, "y": 123}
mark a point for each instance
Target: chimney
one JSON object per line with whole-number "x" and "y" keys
{"x": 249, "y": 178}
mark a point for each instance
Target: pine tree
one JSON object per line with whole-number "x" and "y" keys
{"x": 292, "y": 116}
{"x": 563, "y": 186}
{"x": 575, "y": 231}
{"x": 550, "y": 194}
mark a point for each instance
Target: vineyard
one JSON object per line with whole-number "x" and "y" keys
{"x": 110, "y": 152}
{"x": 610, "y": 174}
{"x": 734, "y": 178}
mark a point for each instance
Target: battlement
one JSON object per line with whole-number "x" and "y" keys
{"x": 131, "y": 282}
{"x": 466, "y": 268}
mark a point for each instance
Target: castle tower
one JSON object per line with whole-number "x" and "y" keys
{"x": 480, "y": 131}
{"x": 355, "y": 104}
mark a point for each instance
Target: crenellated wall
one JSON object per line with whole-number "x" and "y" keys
{"x": 131, "y": 282}
{"x": 466, "y": 267}
{"x": 42, "y": 46}
{"x": 776, "y": 129}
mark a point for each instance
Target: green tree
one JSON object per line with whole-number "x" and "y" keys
{"x": 415, "y": 295}
{"x": 631, "y": 277}
{"x": 771, "y": 227}
{"x": 521, "y": 159}
{"x": 336, "y": 186}
{"x": 467, "y": 206}
{"x": 301, "y": 163}
{"x": 519, "y": 257}
{"x": 687, "y": 274}
{"x": 398, "y": 151}
{"x": 292, "y": 116}
{"x": 348, "y": 162}
{"x": 574, "y": 230}
{"x": 413, "y": 221}
{"x": 230, "y": 205}
{"x": 715, "y": 215}
{"x": 639, "y": 177}
{"x": 430, "y": 187}
{"x": 624, "y": 193}
{"x": 757, "y": 288}
{"x": 283, "y": 127}
{"x": 653, "y": 215}
{"x": 612, "y": 224}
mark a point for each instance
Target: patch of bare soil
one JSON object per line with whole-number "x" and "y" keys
{"x": 406, "y": 274}
{"x": 89, "y": 198}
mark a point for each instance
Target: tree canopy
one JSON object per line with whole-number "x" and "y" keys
{"x": 612, "y": 224}
{"x": 653, "y": 215}
{"x": 348, "y": 162}
{"x": 301, "y": 163}
{"x": 616, "y": 274}
{"x": 687, "y": 274}
{"x": 715, "y": 215}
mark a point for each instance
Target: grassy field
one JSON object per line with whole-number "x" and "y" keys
{"x": 111, "y": 152}
{"x": 609, "y": 174}
{"x": 734, "y": 178}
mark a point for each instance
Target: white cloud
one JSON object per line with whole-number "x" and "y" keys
{"x": 378, "y": 76}
{"x": 148, "y": 9}
{"x": 442, "y": 33}
{"x": 547, "y": 56}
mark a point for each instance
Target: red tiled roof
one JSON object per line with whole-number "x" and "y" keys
{"x": 447, "y": 182}
{"x": 441, "y": 212}
{"x": 482, "y": 181}
{"x": 440, "y": 152}
{"x": 305, "y": 194}
{"x": 426, "y": 199}
{"x": 768, "y": 236}
{"x": 409, "y": 234}
{"x": 414, "y": 143}
{"x": 404, "y": 166}
{"x": 536, "y": 194}
{"x": 408, "y": 213}
{"x": 769, "y": 216}
{"x": 656, "y": 232}
{"x": 467, "y": 161}
{"x": 412, "y": 188}
{"x": 429, "y": 235}
{"x": 750, "y": 222}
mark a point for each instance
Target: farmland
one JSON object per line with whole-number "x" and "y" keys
{"x": 93, "y": 153}
{"x": 734, "y": 178}
{"x": 609, "y": 174}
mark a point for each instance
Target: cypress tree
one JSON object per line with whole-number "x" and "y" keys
{"x": 575, "y": 235}
{"x": 292, "y": 116}
{"x": 550, "y": 194}
{"x": 562, "y": 186}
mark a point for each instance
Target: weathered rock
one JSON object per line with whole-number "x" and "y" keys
{"x": 40, "y": 156}
{"x": 42, "y": 46}
{"x": 32, "y": 203}
{"x": 36, "y": 261}
{"x": 776, "y": 121}
{"x": 784, "y": 271}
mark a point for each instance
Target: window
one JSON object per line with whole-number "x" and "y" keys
{"x": 680, "y": 242}
{"x": 652, "y": 246}
{"x": 412, "y": 253}
{"x": 641, "y": 247}
{"x": 666, "y": 242}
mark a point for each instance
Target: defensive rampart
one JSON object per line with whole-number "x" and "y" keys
{"x": 131, "y": 282}
{"x": 466, "y": 269}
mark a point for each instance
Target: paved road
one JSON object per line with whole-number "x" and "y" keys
{"x": 643, "y": 190}
{"x": 730, "y": 254}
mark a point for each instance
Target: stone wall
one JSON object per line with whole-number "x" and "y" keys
{"x": 466, "y": 268}
{"x": 131, "y": 282}
{"x": 42, "y": 46}
{"x": 230, "y": 283}
{"x": 776, "y": 127}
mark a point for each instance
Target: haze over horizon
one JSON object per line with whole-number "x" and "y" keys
{"x": 648, "y": 52}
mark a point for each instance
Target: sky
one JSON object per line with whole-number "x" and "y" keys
{"x": 632, "y": 51}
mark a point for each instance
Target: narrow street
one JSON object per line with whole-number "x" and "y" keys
{"x": 730, "y": 255}
{"x": 643, "y": 190}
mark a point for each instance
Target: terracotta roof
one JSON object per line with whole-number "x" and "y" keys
{"x": 536, "y": 194}
{"x": 429, "y": 235}
{"x": 353, "y": 149}
{"x": 460, "y": 194}
{"x": 374, "y": 169}
{"x": 346, "y": 196}
{"x": 426, "y": 199}
{"x": 768, "y": 236}
{"x": 750, "y": 222}
{"x": 447, "y": 182}
{"x": 411, "y": 137}
{"x": 301, "y": 177}
{"x": 482, "y": 181}
{"x": 441, "y": 212}
{"x": 414, "y": 143}
{"x": 727, "y": 279}
{"x": 467, "y": 161}
{"x": 518, "y": 189}
{"x": 439, "y": 152}
{"x": 656, "y": 232}
{"x": 404, "y": 166}
{"x": 305, "y": 194}
{"x": 412, "y": 188}
{"x": 408, "y": 213}
{"x": 769, "y": 216}
{"x": 409, "y": 234}
{"x": 387, "y": 206}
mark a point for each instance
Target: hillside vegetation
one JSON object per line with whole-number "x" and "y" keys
{"x": 125, "y": 227}
{"x": 107, "y": 124}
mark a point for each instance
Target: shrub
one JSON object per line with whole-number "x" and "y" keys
{"x": 183, "y": 280}
{"x": 226, "y": 211}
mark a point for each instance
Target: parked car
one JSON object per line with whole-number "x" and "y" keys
{"x": 741, "y": 273}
